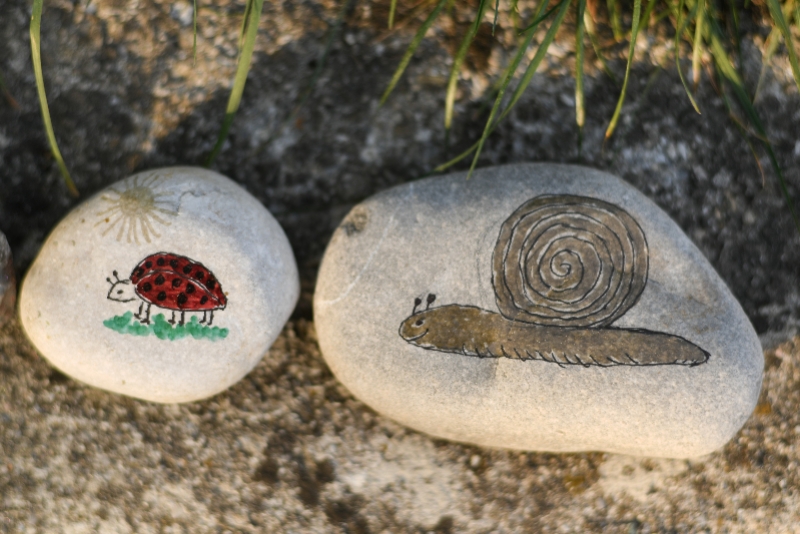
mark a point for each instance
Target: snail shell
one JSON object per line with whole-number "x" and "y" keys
{"x": 565, "y": 260}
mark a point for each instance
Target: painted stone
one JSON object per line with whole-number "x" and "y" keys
{"x": 168, "y": 286}
{"x": 8, "y": 286}
{"x": 536, "y": 307}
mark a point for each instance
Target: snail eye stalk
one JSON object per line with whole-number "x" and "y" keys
{"x": 430, "y": 299}
{"x": 417, "y": 302}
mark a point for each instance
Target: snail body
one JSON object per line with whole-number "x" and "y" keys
{"x": 471, "y": 331}
{"x": 564, "y": 268}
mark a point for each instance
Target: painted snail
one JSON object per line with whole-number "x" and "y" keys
{"x": 564, "y": 268}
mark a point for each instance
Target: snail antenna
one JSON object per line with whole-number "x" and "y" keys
{"x": 430, "y": 299}
{"x": 115, "y": 275}
{"x": 417, "y": 302}
{"x": 109, "y": 280}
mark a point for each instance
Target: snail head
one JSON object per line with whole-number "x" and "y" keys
{"x": 415, "y": 327}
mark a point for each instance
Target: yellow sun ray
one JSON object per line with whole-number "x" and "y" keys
{"x": 135, "y": 209}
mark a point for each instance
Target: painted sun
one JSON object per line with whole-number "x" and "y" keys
{"x": 134, "y": 209}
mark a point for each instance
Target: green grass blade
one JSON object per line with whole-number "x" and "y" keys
{"x": 615, "y": 18}
{"x": 541, "y": 51}
{"x": 729, "y": 73}
{"x": 514, "y": 7}
{"x": 777, "y": 15}
{"x": 392, "y": 10}
{"x": 637, "y": 9}
{"x": 496, "y": 10}
{"x": 680, "y": 27}
{"x": 651, "y": 4}
{"x": 697, "y": 49}
{"x": 411, "y": 49}
{"x": 458, "y": 61}
{"x": 248, "y": 8}
{"x": 194, "y": 29}
{"x": 537, "y": 18}
{"x": 36, "y": 23}
{"x": 770, "y": 47}
{"x": 245, "y": 56}
{"x": 587, "y": 24}
{"x": 538, "y": 57}
{"x": 580, "y": 112}
{"x": 734, "y": 11}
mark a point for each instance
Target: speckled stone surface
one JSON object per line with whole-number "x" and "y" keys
{"x": 583, "y": 320}
{"x": 168, "y": 286}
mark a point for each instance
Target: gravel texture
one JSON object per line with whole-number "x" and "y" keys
{"x": 288, "y": 449}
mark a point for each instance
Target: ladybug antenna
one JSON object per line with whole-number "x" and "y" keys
{"x": 430, "y": 299}
{"x": 417, "y": 302}
{"x": 109, "y": 281}
{"x": 115, "y": 275}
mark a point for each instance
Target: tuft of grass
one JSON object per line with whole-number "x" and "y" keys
{"x": 162, "y": 329}
{"x": 706, "y": 27}
{"x": 35, "y": 30}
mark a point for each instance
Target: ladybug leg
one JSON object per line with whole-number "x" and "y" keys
{"x": 211, "y": 318}
{"x": 138, "y": 315}
{"x": 204, "y": 318}
{"x": 146, "y": 319}
{"x": 172, "y": 321}
{"x": 182, "y": 316}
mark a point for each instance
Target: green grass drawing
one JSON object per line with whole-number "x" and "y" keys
{"x": 160, "y": 327}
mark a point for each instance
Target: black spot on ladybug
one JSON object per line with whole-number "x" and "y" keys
{"x": 147, "y": 286}
{"x": 162, "y": 296}
{"x": 160, "y": 262}
{"x": 189, "y": 289}
{"x": 159, "y": 279}
{"x": 140, "y": 272}
{"x": 199, "y": 275}
{"x": 173, "y": 264}
{"x": 204, "y": 299}
{"x": 176, "y": 282}
{"x": 148, "y": 264}
{"x": 187, "y": 269}
{"x": 210, "y": 283}
{"x": 182, "y": 298}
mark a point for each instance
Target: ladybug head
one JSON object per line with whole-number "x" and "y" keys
{"x": 121, "y": 290}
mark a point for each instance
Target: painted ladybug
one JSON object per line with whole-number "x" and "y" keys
{"x": 171, "y": 282}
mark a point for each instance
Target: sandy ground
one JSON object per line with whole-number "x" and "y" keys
{"x": 288, "y": 449}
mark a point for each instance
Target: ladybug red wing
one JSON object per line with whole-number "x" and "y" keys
{"x": 177, "y": 283}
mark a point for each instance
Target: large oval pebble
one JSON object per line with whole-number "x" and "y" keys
{"x": 536, "y": 307}
{"x": 168, "y": 286}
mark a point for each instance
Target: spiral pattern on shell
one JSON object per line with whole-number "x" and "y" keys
{"x": 565, "y": 260}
